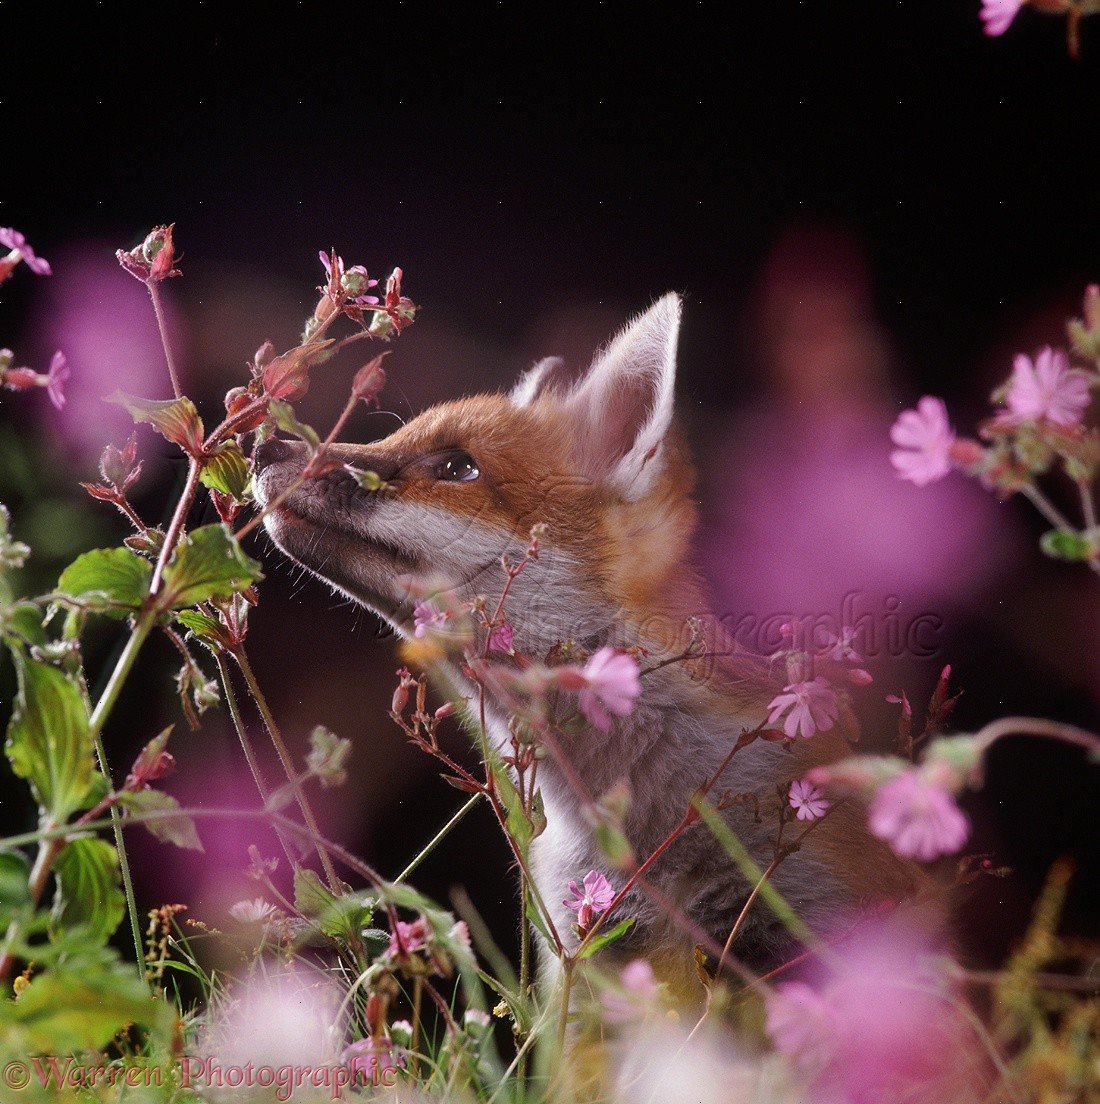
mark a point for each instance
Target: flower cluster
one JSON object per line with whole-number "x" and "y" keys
{"x": 1039, "y": 422}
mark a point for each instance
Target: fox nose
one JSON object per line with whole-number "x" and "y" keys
{"x": 273, "y": 451}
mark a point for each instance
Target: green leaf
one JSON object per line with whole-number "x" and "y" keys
{"x": 175, "y": 419}
{"x": 114, "y": 581}
{"x": 605, "y": 938}
{"x": 226, "y": 470}
{"x": 206, "y": 628}
{"x": 24, "y": 619}
{"x": 208, "y": 565}
{"x": 88, "y": 893}
{"x": 80, "y": 1008}
{"x": 517, "y": 822}
{"x": 15, "y": 873}
{"x": 311, "y": 896}
{"x": 49, "y": 743}
{"x": 327, "y": 755}
{"x": 536, "y": 919}
{"x": 179, "y": 830}
{"x": 284, "y": 417}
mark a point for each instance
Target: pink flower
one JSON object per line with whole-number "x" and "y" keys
{"x": 807, "y": 800}
{"x": 918, "y": 818}
{"x": 428, "y": 617}
{"x": 13, "y": 240}
{"x": 635, "y": 995}
{"x": 839, "y": 648}
{"x": 801, "y": 1024}
{"x": 408, "y": 937}
{"x": 56, "y": 378}
{"x": 810, "y": 707}
{"x": 997, "y": 15}
{"x": 355, "y": 280}
{"x": 924, "y": 437}
{"x": 369, "y": 1060}
{"x": 612, "y": 684}
{"x": 590, "y": 898}
{"x": 1046, "y": 389}
{"x": 502, "y": 639}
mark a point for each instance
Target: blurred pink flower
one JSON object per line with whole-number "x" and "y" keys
{"x": 801, "y": 1025}
{"x": 997, "y": 15}
{"x": 613, "y": 683}
{"x": 255, "y": 911}
{"x": 428, "y": 617}
{"x": 590, "y": 898}
{"x": 809, "y": 706}
{"x": 924, "y": 437}
{"x": 838, "y": 647}
{"x": 369, "y": 1060}
{"x": 1046, "y": 389}
{"x": 880, "y": 1028}
{"x": 918, "y": 818}
{"x": 408, "y": 937}
{"x": 56, "y": 378}
{"x": 12, "y": 239}
{"x": 502, "y": 639}
{"x": 807, "y": 800}
{"x": 634, "y": 995}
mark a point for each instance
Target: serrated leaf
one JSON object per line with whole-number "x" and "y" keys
{"x": 284, "y": 417}
{"x": 204, "y": 627}
{"x": 606, "y": 938}
{"x": 208, "y": 565}
{"x": 49, "y": 743}
{"x": 114, "y": 581}
{"x": 179, "y": 830}
{"x": 226, "y": 470}
{"x": 311, "y": 896}
{"x": 81, "y": 1007}
{"x": 175, "y": 419}
{"x": 88, "y": 888}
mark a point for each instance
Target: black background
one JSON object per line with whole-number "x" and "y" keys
{"x": 526, "y": 166}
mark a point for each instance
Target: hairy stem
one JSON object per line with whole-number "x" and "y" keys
{"x": 158, "y": 310}
{"x": 175, "y": 526}
{"x": 438, "y": 838}
{"x": 288, "y": 765}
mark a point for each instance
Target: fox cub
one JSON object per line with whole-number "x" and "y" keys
{"x": 598, "y": 459}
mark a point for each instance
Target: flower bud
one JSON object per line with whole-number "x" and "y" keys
{"x": 369, "y": 381}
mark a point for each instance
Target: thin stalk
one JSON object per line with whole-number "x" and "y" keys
{"x": 106, "y": 703}
{"x": 438, "y": 838}
{"x": 567, "y": 965}
{"x": 246, "y": 744}
{"x": 158, "y": 310}
{"x": 288, "y": 765}
{"x": 1046, "y": 507}
{"x": 48, "y": 850}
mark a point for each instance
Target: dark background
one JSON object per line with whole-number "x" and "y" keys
{"x": 539, "y": 179}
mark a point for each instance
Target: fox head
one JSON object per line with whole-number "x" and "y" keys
{"x": 595, "y": 457}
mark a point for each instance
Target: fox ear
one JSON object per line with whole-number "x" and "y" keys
{"x": 622, "y": 408}
{"x": 549, "y": 374}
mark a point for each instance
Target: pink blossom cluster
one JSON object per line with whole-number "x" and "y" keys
{"x": 589, "y": 899}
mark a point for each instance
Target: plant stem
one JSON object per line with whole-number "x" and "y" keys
{"x": 438, "y": 837}
{"x": 158, "y": 310}
{"x": 175, "y": 526}
{"x": 288, "y": 765}
{"x": 567, "y": 965}
{"x": 107, "y": 700}
{"x": 48, "y": 850}
{"x": 246, "y": 744}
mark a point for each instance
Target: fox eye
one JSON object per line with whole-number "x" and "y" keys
{"x": 458, "y": 467}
